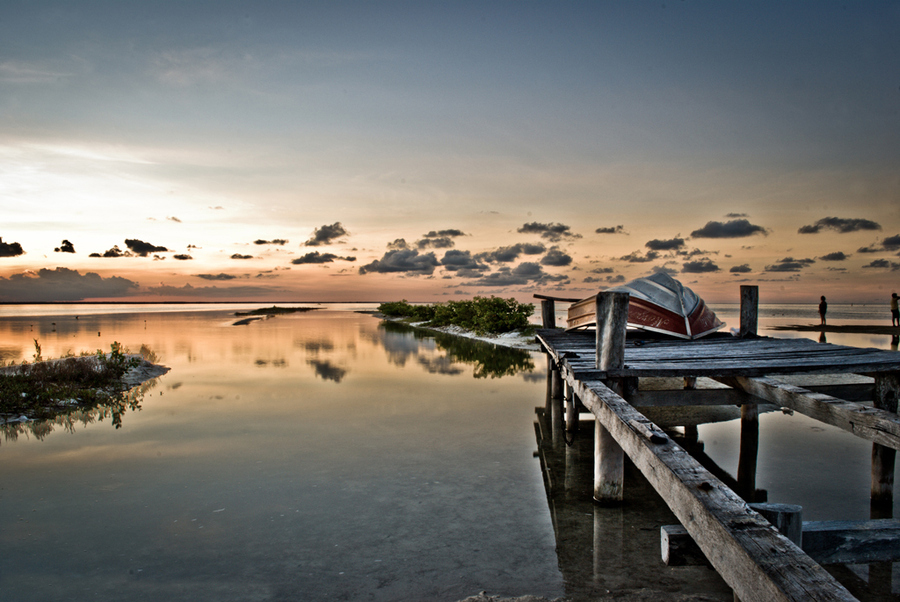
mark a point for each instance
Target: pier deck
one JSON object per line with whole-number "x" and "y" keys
{"x": 602, "y": 371}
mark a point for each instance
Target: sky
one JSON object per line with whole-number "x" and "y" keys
{"x": 377, "y": 151}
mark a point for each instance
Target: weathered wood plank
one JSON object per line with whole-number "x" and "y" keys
{"x": 826, "y": 542}
{"x": 749, "y": 310}
{"x": 878, "y": 426}
{"x": 751, "y": 556}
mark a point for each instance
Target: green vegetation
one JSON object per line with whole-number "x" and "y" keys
{"x": 481, "y": 315}
{"x": 45, "y": 389}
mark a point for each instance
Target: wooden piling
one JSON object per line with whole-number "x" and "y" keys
{"x": 749, "y": 310}
{"x": 609, "y": 459}
{"x": 887, "y": 388}
{"x": 749, "y": 451}
{"x": 548, "y": 313}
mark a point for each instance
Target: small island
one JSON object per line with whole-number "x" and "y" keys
{"x": 268, "y": 312}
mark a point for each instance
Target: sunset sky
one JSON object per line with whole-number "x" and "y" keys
{"x": 313, "y": 151}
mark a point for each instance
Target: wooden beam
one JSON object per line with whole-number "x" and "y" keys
{"x": 879, "y": 426}
{"x": 826, "y": 542}
{"x": 548, "y": 313}
{"x": 754, "y": 559}
{"x": 887, "y": 388}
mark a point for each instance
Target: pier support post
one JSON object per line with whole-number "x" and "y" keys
{"x": 548, "y": 313}
{"x": 749, "y": 451}
{"x": 609, "y": 459}
{"x": 887, "y": 389}
{"x": 749, "y": 310}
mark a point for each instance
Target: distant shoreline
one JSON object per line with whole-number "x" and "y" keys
{"x": 849, "y": 328}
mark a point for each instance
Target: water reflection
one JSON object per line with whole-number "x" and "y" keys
{"x": 488, "y": 360}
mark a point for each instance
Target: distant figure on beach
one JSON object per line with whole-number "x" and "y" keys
{"x": 823, "y": 307}
{"x": 895, "y": 310}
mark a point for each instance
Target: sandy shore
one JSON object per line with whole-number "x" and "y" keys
{"x": 849, "y": 328}
{"x": 514, "y": 340}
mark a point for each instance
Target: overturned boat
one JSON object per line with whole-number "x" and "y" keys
{"x": 657, "y": 303}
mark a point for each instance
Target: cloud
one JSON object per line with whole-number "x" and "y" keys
{"x": 326, "y": 235}
{"x": 441, "y": 242}
{"x": 611, "y": 230}
{"x": 326, "y": 370}
{"x": 274, "y": 241}
{"x": 740, "y": 269}
{"x": 316, "y": 257}
{"x": 672, "y": 244}
{"x": 239, "y": 256}
{"x": 182, "y": 257}
{"x": 556, "y": 258}
{"x": 114, "y": 252}
{"x": 737, "y": 228}
{"x": 402, "y": 260}
{"x": 836, "y": 256}
{"x": 881, "y": 264}
{"x": 636, "y": 257}
{"x": 511, "y": 253}
{"x": 398, "y": 244}
{"x": 602, "y": 271}
{"x": 701, "y": 266}
{"x": 65, "y": 247}
{"x": 615, "y": 279}
{"x": 789, "y": 264}
{"x": 552, "y": 232}
{"x": 524, "y": 273}
{"x": 453, "y": 232}
{"x": 174, "y": 219}
{"x": 10, "y": 249}
{"x": 734, "y": 215}
{"x": 139, "y": 247}
{"x": 62, "y": 284}
{"x": 220, "y": 276}
{"x": 839, "y": 225}
{"x": 891, "y": 243}
{"x": 455, "y": 261}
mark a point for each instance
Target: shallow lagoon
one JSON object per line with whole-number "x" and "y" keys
{"x": 325, "y": 456}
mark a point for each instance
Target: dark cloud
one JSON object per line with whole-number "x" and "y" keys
{"x": 65, "y": 247}
{"x": 836, "y": 256}
{"x": 665, "y": 270}
{"x": 737, "y": 228}
{"x": 881, "y": 264}
{"x": 602, "y": 271}
{"x": 615, "y": 279}
{"x": 611, "y": 230}
{"x": 524, "y": 273}
{"x": 114, "y": 252}
{"x": 556, "y": 258}
{"x": 402, "y": 260}
{"x": 552, "y": 232}
{"x": 671, "y": 244}
{"x": 220, "y": 276}
{"x": 511, "y": 253}
{"x": 701, "y": 266}
{"x": 326, "y": 235}
{"x": 10, "y": 249}
{"x": 239, "y": 256}
{"x": 740, "y": 269}
{"x": 62, "y": 284}
{"x": 735, "y": 215}
{"x": 874, "y": 248}
{"x": 398, "y": 244}
{"x": 839, "y": 224}
{"x": 316, "y": 257}
{"x": 636, "y": 257}
{"x": 141, "y": 248}
{"x": 591, "y": 279}
{"x": 274, "y": 241}
{"x": 441, "y": 242}
{"x": 453, "y": 232}
{"x": 789, "y": 264}
{"x": 182, "y": 257}
{"x": 891, "y": 243}
{"x": 456, "y": 261}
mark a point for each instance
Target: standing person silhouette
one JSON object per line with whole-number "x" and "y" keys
{"x": 823, "y": 307}
{"x": 895, "y": 311}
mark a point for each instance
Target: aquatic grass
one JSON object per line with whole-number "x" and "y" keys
{"x": 44, "y": 389}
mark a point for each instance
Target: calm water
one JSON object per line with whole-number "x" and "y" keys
{"x": 323, "y": 455}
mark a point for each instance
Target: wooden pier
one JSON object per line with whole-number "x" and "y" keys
{"x": 602, "y": 371}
